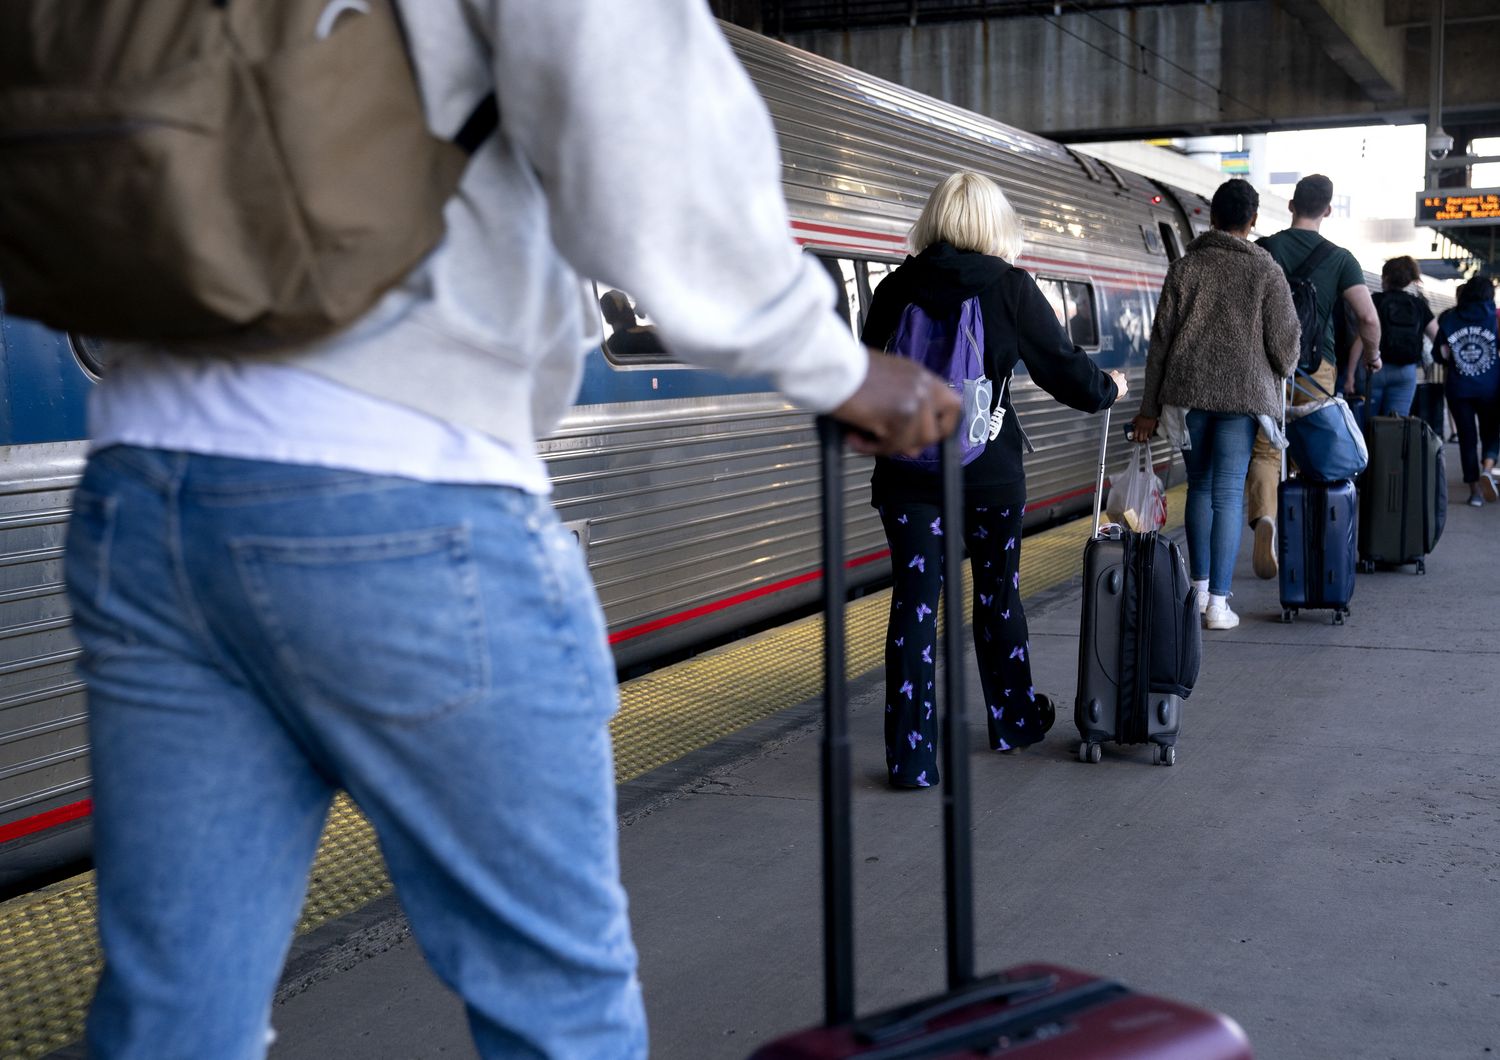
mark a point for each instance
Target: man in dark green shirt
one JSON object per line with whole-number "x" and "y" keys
{"x": 1338, "y": 276}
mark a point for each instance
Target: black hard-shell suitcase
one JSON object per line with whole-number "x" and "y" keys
{"x": 1140, "y": 642}
{"x": 1403, "y": 494}
{"x": 1035, "y": 1011}
{"x": 1317, "y": 530}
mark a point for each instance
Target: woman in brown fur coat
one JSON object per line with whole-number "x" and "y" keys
{"x": 1224, "y": 340}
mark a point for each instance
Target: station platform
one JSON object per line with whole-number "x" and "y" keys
{"x": 1323, "y": 862}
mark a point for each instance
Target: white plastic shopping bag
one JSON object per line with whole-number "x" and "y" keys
{"x": 1136, "y": 496}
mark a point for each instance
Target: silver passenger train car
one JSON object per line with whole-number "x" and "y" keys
{"x": 693, "y": 494}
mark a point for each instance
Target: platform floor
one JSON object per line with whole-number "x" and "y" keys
{"x": 1323, "y": 863}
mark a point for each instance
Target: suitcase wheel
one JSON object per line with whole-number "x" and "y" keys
{"x": 1287, "y": 614}
{"x": 1421, "y": 566}
{"x": 1367, "y": 566}
{"x": 1338, "y": 617}
{"x": 1089, "y": 752}
{"x": 1163, "y": 756}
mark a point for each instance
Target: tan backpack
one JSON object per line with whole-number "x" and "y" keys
{"x": 249, "y": 170}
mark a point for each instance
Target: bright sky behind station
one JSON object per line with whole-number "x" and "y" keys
{"x": 1380, "y": 167}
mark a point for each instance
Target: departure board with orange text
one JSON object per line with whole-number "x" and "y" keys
{"x": 1446, "y": 207}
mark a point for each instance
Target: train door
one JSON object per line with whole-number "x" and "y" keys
{"x": 1175, "y": 227}
{"x": 1169, "y": 240}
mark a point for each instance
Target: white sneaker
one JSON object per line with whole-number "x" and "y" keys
{"x": 1202, "y": 588}
{"x": 1218, "y": 615}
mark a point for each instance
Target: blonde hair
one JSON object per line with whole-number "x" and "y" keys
{"x": 972, "y": 213}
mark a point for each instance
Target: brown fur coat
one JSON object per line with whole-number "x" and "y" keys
{"x": 1225, "y": 333}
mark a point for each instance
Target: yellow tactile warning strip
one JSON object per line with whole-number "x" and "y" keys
{"x": 49, "y": 953}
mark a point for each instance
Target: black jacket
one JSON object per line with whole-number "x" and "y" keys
{"x": 1019, "y": 325}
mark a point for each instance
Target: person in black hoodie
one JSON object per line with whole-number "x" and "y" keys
{"x": 966, "y": 239}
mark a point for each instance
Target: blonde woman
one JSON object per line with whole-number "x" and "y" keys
{"x": 965, "y": 243}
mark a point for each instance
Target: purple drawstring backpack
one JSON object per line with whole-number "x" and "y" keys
{"x": 953, "y": 347}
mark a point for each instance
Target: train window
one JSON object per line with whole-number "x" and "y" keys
{"x": 629, "y": 335}
{"x": 844, "y": 275}
{"x": 875, "y": 271}
{"x": 1073, "y": 302}
{"x": 871, "y": 273}
{"x": 1052, "y": 291}
{"x": 90, "y": 353}
{"x": 1083, "y": 322}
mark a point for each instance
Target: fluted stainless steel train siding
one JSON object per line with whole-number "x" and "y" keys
{"x": 686, "y": 505}
{"x": 43, "y": 733}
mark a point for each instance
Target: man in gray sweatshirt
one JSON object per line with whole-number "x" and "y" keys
{"x": 337, "y": 568}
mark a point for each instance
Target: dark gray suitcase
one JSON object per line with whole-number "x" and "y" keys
{"x": 1119, "y": 701}
{"x": 1403, "y": 494}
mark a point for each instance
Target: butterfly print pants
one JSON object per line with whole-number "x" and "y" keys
{"x": 992, "y": 539}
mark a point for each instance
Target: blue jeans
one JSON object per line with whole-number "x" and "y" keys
{"x": 1216, "y": 466}
{"x": 257, "y": 636}
{"x": 1392, "y": 389}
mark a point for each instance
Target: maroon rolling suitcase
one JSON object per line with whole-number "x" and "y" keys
{"x": 1032, "y": 1011}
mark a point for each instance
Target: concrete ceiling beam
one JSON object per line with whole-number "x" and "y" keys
{"x": 1355, "y": 35}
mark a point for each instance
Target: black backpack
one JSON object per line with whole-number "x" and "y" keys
{"x": 1400, "y": 328}
{"x": 1305, "y": 302}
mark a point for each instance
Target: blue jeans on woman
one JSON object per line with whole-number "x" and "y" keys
{"x": 1216, "y": 466}
{"x": 257, "y": 636}
{"x": 1392, "y": 389}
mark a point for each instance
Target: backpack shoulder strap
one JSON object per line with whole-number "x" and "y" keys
{"x": 482, "y": 121}
{"x": 1312, "y": 261}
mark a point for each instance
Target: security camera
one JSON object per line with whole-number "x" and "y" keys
{"x": 1439, "y": 144}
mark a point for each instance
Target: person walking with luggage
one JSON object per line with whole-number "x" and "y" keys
{"x": 964, "y": 244}
{"x": 1405, "y": 321}
{"x": 334, "y": 565}
{"x": 1469, "y": 349}
{"x": 1336, "y": 276}
{"x": 1224, "y": 341}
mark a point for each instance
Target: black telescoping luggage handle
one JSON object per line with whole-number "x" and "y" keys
{"x": 838, "y": 869}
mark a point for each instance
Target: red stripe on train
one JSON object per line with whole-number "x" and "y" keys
{"x": 801, "y": 579}
{"x": 42, "y": 821}
{"x": 731, "y": 601}
{"x": 74, "y": 811}
{"x": 883, "y": 237}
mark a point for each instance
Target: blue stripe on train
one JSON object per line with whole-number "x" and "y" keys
{"x": 604, "y": 384}
{"x": 1125, "y": 315}
{"x": 43, "y": 389}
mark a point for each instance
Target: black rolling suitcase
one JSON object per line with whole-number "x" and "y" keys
{"x": 1035, "y": 1011}
{"x": 1403, "y": 495}
{"x": 1141, "y": 639}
